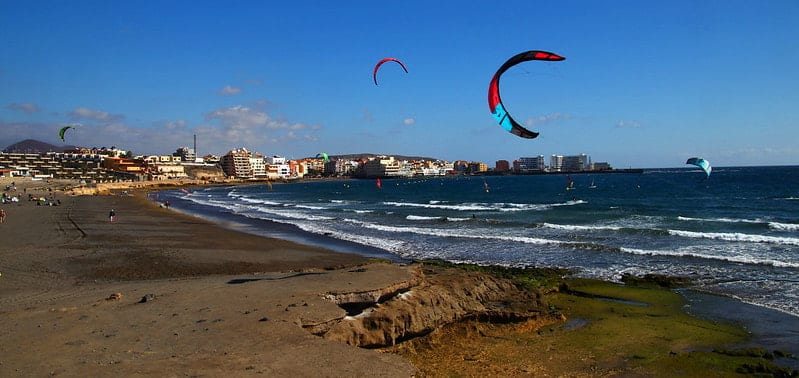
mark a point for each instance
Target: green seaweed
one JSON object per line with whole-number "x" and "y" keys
{"x": 637, "y": 328}
{"x": 529, "y": 278}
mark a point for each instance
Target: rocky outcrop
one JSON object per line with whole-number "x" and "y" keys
{"x": 438, "y": 296}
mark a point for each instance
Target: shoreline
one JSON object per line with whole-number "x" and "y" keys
{"x": 270, "y": 229}
{"x": 61, "y": 264}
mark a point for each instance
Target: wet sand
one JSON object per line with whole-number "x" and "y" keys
{"x": 217, "y": 301}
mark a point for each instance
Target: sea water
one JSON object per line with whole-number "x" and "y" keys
{"x": 735, "y": 233}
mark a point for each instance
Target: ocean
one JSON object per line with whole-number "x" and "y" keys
{"x": 735, "y": 233}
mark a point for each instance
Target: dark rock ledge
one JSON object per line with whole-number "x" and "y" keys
{"x": 433, "y": 298}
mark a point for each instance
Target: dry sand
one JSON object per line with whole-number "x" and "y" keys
{"x": 220, "y": 302}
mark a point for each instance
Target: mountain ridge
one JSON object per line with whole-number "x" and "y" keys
{"x": 31, "y": 146}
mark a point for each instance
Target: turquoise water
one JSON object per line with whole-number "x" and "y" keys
{"x": 736, "y": 233}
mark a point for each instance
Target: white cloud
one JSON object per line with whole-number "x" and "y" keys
{"x": 261, "y": 104}
{"x": 26, "y": 107}
{"x": 241, "y": 124}
{"x": 229, "y": 90}
{"x": 408, "y": 121}
{"x": 86, "y": 113}
{"x": 547, "y": 118}
{"x": 176, "y": 125}
{"x": 632, "y": 124}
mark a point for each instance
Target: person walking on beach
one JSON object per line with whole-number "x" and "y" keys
{"x": 112, "y": 215}
{"x": 2, "y": 216}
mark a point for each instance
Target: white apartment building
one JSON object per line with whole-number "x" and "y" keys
{"x": 258, "y": 167}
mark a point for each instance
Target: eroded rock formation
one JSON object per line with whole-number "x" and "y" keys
{"x": 436, "y": 297}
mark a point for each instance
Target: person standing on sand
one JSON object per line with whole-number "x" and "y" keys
{"x": 112, "y": 215}
{"x": 2, "y": 216}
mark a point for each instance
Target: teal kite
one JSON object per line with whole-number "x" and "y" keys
{"x": 701, "y": 163}
{"x": 323, "y": 156}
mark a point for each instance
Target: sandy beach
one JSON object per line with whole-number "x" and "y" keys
{"x": 158, "y": 293}
{"x": 61, "y": 264}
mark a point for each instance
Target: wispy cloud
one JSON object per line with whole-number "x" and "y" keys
{"x": 25, "y": 107}
{"x": 86, "y": 113}
{"x": 229, "y": 90}
{"x": 628, "y": 124}
{"x": 408, "y": 121}
{"x": 546, "y": 119}
{"x": 366, "y": 116}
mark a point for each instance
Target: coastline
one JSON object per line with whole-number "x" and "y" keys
{"x": 60, "y": 264}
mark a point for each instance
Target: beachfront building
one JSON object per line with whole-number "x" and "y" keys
{"x": 477, "y": 167}
{"x": 122, "y": 165}
{"x": 87, "y": 167}
{"x": 210, "y": 159}
{"x": 502, "y": 166}
{"x": 297, "y": 169}
{"x": 381, "y": 166}
{"x": 575, "y": 163}
{"x": 460, "y": 167}
{"x": 277, "y": 168}
{"x": 236, "y": 163}
{"x": 258, "y": 166}
{"x": 342, "y": 167}
{"x": 315, "y": 165}
{"x": 438, "y": 168}
{"x": 185, "y": 154}
{"x": 600, "y": 166}
{"x": 555, "y": 163}
{"x": 168, "y": 171}
{"x": 408, "y": 168}
{"x": 534, "y": 164}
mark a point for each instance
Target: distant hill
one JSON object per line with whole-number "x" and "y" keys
{"x": 30, "y": 146}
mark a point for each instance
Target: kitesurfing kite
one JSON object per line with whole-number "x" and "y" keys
{"x": 324, "y": 157}
{"x": 495, "y": 102}
{"x": 701, "y": 163}
{"x": 380, "y": 63}
{"x": 63, "y": 130}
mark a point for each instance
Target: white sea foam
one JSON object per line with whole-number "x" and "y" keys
{"x": 741, "y": 259}
{"x": 430, "y": 218}
{"x": 384, "y": 243}
{"x": 356, "y": 211}
{"x": 722, "y": 220}
{"x": 423, "y": 218}
{"x": 290, "y": 214}
{"x": 463, "y": 207}
{"x": 499, "y": 206}
{"x": 784, "y": 226}
{"x": 736, "y": 237}
{"x": 448, "y": 233}
{"x": 571, "y": 227}
{"x": 310, "y": 207}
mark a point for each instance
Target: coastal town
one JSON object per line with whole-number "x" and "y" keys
{"x": 117, "y": 164}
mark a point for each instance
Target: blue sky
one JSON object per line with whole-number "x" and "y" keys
{"x": 645, "y": 83}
